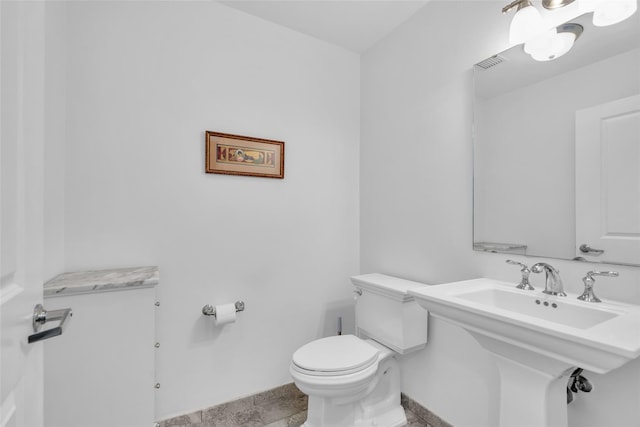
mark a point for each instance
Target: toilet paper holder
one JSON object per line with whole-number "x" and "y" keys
{"x": 209, "y": 310}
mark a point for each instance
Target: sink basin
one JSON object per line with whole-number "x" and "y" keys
{"x": 595, "y": 336}
{"x": 576, "y": 315}
{"x": 537, "y": 339}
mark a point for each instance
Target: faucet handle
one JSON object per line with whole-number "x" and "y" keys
{"x": 510, "y": 261}
{"x": 524, "y": 282}
{"x": 588, "y": 294}
{"x": 603, "y": 273}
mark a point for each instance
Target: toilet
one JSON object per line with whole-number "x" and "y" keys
{"x": 354, "y": 380}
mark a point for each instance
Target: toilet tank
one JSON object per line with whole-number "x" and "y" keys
{"x": 386, "y": 313}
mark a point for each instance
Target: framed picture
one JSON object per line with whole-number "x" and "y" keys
{"x": 244, "y": 155}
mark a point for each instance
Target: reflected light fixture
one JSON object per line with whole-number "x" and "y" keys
{"x": 554, "y": 43}
{"x": 542, "y": 45}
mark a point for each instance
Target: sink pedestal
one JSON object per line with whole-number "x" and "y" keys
{"x": 537, "y": 340}
{"x": 532, "y": 386}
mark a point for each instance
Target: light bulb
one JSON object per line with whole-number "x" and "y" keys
{"x": 551, "y": 45}
{"x": 586, "y": 6}
{"x": 609, "y": 12}
{"x": 541, "y": 44}
{"x": 525, "y": 24}
{"x": 563, "y": 44}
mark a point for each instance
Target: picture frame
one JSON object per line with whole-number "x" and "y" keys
{"x": 243, "y": 155}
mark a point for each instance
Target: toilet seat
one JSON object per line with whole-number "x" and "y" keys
{"x": 334, "y": 356}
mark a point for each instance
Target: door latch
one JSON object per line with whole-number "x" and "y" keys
{"x": 42, "y": 316}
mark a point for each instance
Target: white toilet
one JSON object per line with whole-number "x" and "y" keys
{"x": 354, "y": 381}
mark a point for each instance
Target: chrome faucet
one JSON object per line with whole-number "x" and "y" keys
{"x": 553, "y": 284}
{"x": 588, "y": 280}
{"x": 524, "y": 282}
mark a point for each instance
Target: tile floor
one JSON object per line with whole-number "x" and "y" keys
{"x": 299, "y": 418}
{"x": 283, "y": 406}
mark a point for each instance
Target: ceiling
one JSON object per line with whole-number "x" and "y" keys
{"x": 355, "y": 25}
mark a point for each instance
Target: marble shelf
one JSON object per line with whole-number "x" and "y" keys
{"x": 95, "y": 281}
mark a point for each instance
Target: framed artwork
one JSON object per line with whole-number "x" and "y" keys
{"x": 243, "y": 155}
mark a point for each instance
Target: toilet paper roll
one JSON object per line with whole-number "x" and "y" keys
{"x": 225, "y": 313}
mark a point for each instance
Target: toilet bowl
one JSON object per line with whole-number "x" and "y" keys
{"x": 354, "y": 381}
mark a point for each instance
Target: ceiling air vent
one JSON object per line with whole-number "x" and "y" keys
{"x": 490, "y": 62}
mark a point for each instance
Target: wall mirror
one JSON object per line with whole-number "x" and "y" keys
{"x": 557, "y": 149}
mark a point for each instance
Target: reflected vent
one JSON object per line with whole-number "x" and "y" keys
{"x": 490, "y": 62}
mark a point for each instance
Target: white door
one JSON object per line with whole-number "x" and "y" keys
{"x": 608, "y": 181}
{"x": 21, "y": 209}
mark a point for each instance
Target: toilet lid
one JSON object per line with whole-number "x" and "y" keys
{"x": 338, "y": 355}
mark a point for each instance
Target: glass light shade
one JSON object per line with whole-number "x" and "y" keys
{"x": 551, "y": 45}
{"x": 586, "y": 6}
{"x": 525, "y": 25}
{"x": 609, "y": 12}
{"x": 563, "y": 44}
{"x": 542, "y": 43}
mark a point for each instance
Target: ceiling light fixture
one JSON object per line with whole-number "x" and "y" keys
{"x": 609, "y": 12}
{"x": 554, "y": 43}
{"x": 555, "y": 4}
{"x": 526, "y": 23}
{"x": 544, "y": 44}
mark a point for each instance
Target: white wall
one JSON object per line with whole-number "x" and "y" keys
{"x": 145, "y": 80}
{"x": 55, "y": 131}
{"x": 416, "y": 208}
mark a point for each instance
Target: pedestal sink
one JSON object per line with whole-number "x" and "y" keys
{"x": 537, "y": 340}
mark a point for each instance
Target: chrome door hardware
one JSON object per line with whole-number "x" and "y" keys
{"x": 586, "y": 249}
{"x": 42, "y": 316}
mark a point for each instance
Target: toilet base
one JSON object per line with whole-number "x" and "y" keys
{"x": 393, "y": 417}
{"x": 379, "y": 406}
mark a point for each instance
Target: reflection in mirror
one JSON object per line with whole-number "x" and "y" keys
{"x": 557, "y": 149}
